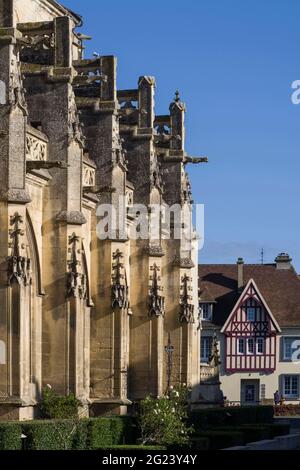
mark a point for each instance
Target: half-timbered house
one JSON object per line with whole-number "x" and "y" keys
{"x": 254, "y": 310}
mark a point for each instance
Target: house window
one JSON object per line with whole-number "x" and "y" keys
{"x": 250, "y": 345}
{"x": 241, "y": 346}
{"x": 250, "y": 313}
{"x": 291, "y": 386}
{"x": 260, "y": 345}
{"x": 253, "y": 310}
{"x": 206, "y": 311}
{"x": 290, "y": 345}
{"x": 206, "y": 348}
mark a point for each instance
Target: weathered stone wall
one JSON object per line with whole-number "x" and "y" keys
{"x": 84, "y": 314}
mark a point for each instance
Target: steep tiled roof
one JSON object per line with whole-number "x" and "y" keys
{"x": 280, "y": 288}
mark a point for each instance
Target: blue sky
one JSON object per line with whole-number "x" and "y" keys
{"x": 234, "y": 62}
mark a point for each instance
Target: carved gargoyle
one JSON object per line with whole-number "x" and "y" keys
{"x": 195, "y": 160}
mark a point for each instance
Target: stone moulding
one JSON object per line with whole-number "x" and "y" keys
{"x": 71, "y": 217}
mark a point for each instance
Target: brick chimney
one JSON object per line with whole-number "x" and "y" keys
{"x": 240, "y": 263}
{"x": 283, "y": 261}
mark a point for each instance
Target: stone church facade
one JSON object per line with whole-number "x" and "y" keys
{"x": 85, "y": 314}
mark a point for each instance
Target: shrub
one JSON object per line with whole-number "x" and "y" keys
{"x": 54, "y": 406}
{"x": 222, "y": 439}
{"x": 287, "y": 410}
{"x": 162, "y": 420}
{"x": 10, "y": 436}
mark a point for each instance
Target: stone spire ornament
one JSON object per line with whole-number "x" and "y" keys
{"x": 186, "y": 308}
{"x": 119, "y": 289}
{"x": 18, "y": 269}
{"x": 156, "y": 301}
{"x": 76, "y": 280}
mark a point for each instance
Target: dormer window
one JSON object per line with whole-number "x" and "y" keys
{"x": 252, "y": 310}
{"x": 206, "y": 311}
{"x": 250, "y": 313}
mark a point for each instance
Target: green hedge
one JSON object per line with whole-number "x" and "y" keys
{"x": 250, "y": 414}
{"x": 251, "y": 433}
{"x": 206, "y": 418}
{"x": 133, "y": 447}
{"x": 10, "y": 436}
{"x": 124, "y": 430}
{"x": 55, "y": 435}
{"x": 218, "y": 437}
{"x": 279, "y": 429}
{"x": 275, "y": 429}
{"x": 89, "y": 434}
{"x": 103, "y": 432}
{"x": 222, "y": 439}
{"x": 99, "y": 433}
{"x": 200, "y": 443}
